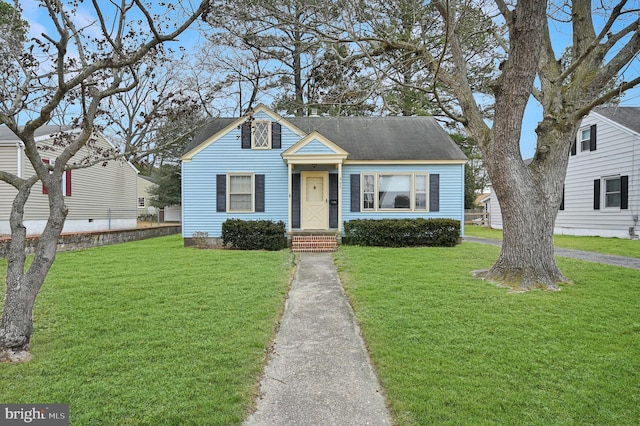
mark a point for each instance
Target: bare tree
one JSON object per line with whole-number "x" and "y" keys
{"x": 68, "y": 73}
{"x": 491, "y": 88}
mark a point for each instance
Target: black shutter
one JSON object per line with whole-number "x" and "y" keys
{"x": 355, "y": 193}
{"x": 562, "y": 202}
{"x": 221, "y": 193}
{"x": 434, "y": 193}
{"x": 246, "y": 135}
{"x": 259, "y": 185}
{"x": 624, "y": 192}
{"x": 592, "y": 139}
{"x": 276, "y": 135}
{"x": 295, "y": 201}
{"x": 333, "y": 200}
{"x": 596, "y": 194}
{"x": 574, "y": 148}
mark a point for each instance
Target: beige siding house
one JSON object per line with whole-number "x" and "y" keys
{"x": 144, "y": 184}
{"x": 100, "y": 197}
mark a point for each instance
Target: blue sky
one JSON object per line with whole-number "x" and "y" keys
{"x": 35, "y": 15}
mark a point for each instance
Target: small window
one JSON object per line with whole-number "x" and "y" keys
{"x": 612, "y": 192}
{"x": 585, "y": 139}
{"x": 240, "y": 193}
{"x": 141, "y": 202}
{"x": 368, "y": 192}
{"x": 420, "y": 192}
{"x": 261, "y": 135}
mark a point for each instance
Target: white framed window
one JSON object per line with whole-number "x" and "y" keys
{"x": 585, "y": 139}
{"x": 368, "y": 192}
{"x": 420, "y": 192}
{"x": 261, "y": 134}
{"x": 612, "y": 194}
{"x": 394, "y": 191}
{"x": 241, "y": 192}
{"x": 141, "y": 202}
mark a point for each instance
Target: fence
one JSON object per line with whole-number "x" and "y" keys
{"x": 476, "y": 217}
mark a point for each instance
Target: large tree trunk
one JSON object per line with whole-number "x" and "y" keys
{"x": 529, "y": 200}
{"x": 22, "y": 287}
{"x": 530, "y": 196}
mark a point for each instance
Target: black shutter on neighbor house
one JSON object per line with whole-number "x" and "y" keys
{"x": 295, "y": 200}
{"x": 259, "y": 186}
{"x": 246, "y": 135}
{"x": 624, "y": 192}
{"x": 221, "y": 193}
{"x": 434, "y": 193}
{"x": 562, "y": 202}
{"x": 333, "y": 200}
{"x": 592, "y": 138}
{"x": 276, "y": 135}
{"x": 596, "y": 194}
{"x": 574, "y": 148}
{"x": 355, "y": 193}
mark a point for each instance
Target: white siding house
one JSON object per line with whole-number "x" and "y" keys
{"x": 100, "y": 197}
{"x": 602, "y": 185}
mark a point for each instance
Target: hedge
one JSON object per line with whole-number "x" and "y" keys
{"x": 254, "y": 234}
{"x": 402, "y": 232}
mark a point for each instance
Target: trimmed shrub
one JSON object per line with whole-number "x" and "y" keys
{"x": 254, "y": 234}
{"x": 402, "y": 232}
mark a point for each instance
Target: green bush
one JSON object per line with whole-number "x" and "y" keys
{"x": 254, "y": 234}
{"x": 402, "y": 232}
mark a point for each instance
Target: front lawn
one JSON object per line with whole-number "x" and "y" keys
{"x": 615, "y": 246}
{"x": 450, "y": 349}
{"x": 151, "y": 333}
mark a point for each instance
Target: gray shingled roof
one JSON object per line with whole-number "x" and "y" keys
{"x": 8, "y": 136}
{"x": 627, "y": 116}
{"x": 369, "y": 138}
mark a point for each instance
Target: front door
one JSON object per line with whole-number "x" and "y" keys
{"x": 315, "y": 194}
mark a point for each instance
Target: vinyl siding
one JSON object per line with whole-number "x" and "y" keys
{"x": 315, "y": 147}
{"x": 99, "y": 193}
{"x": 617, "y": 154}
{"x": 451, "y": 191}
{"x": 8, "y": 163}
{"x": 226, "y": 156}
{"x": 199, "y": 181}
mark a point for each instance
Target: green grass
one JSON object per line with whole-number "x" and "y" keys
{"x": 615, "y": 246}
{"x": 452, "y": 350}
{"x": 151, "y": 333}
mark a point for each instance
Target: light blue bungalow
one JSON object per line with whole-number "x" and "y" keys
{"x": 315, "y": 173}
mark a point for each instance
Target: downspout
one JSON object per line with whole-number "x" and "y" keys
{"x": 19, "y": 151}
{"x": 634, "y": 194}
{"x": 340, "y": 199}
{"x": 289, "y": 190}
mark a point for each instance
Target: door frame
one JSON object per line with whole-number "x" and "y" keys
{"x": 325, "y": 194}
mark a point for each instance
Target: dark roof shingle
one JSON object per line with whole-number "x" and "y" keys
{"x": 369, "y": 138}
{"x": 629, "y": 117}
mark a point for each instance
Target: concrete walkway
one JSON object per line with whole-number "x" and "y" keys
{"x": 627, "y": 262}
{"x": 319, "y": 372}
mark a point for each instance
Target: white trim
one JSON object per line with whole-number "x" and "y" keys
{"x": 269, "y": 135}
{"x": 253, "y": 192}
{"x": 412, "y": 192}
{"x": 613, "y": 123}
{"x": 603, "y": 194}
{"x": 325, "y": 194}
